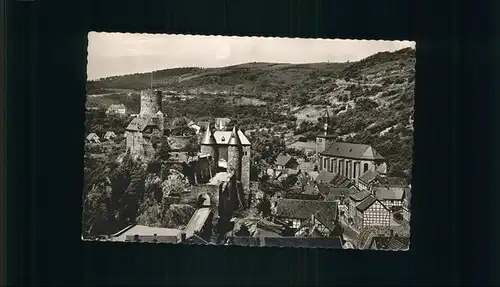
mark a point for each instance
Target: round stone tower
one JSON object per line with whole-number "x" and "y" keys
{"x": 150, "y": 102}
{"x": 234, "y": 153}
{"x": 209, "y": 146}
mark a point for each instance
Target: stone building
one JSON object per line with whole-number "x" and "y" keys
{"x": 229, "y": 151}
{"x": 347, "y": 159}
{"x": 147, "y": 126}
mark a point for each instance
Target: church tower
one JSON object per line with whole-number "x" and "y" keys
{"x": 324, "y": 138}
{"x": 234, "y": 154}
{"x": 209, "y": 146}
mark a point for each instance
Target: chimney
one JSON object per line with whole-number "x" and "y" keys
{"x": 183, "y": 236}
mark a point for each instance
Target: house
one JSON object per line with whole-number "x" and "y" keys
{"x": 351, "y": 160}
{"x": 407, "y": 204}
{"x": 141, "y": 233}
{"x": 195, "y": 127}
{"x": 93, "y": 138}
{"x": 391, "y": 197}
{"x": 109, "y": 136}
{"x": 392, "y": 242}
{"x": 368, "y": 179}
{"x": 318, "y": 226}
{"x": 295, "y": 211}
{"x": 371, "y": 212}
{"x": 334, "y": 180}
{"x": 116, "y": 109}
{"x": 310, "y": 192}
{"x": 222, "y": 123}
{"x": 286, "y": 162}
{"x": 305, "y": 242}
{"x": 334, "y": 193}
{"x": 355, "y": 199}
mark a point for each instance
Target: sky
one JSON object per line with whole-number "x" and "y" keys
{"x": 113, "y": 54}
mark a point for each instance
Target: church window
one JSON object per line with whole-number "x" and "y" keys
{"x": 365, "y": 167}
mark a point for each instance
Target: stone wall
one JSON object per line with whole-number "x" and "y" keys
{"x": 245, "y": 168}
{"x": 149, "y": 102}
{"x": 234, "y": 161}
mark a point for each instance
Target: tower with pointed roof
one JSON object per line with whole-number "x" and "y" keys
{"x": 209, "y": 146}
{"x": 324, "y": 138}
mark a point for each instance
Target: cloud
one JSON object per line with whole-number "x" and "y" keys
{"x": 122, "y": 53}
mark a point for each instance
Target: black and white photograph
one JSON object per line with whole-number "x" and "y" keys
{"x": 248, "y": 141}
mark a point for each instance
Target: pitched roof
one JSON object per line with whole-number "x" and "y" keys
{"x": 310, "y": 190}
{"x": 109, "y": 134}
{"x": 332, "y": 192}
{"x": 138, "y": 124}
{"x": 283, "y": 159}
{"x": 389, "y": 193}
{"x": 302, "y": 209}
{"x": 353, "y": 151}
{"x": 325, "y": 176}
{"x": 369, "y": 176}
{"x": 197, "y": 221}
{"x": 195, "y": 239}
{"x": 313, "y": 174}
{"x": 142, "y": 230}
{"x": 209, "y": 138}
{"x": 91, "y": 136}
{"x": 222, "y": 137}
{"x": 366, "y": 203}
{"x": 394, "y": 181}
{"x": 310, "y": 242}
{"x": 359, "y": 196}
{"x": 234, "y": 139}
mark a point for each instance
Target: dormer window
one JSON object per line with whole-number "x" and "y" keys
{"x": 223, "y": 139}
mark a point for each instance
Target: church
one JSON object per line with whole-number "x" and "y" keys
{"x": 347, "y": 159}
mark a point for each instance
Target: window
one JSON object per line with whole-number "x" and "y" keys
{"x": 331, "y": 166}
{"x": 354, "y": 173}
{"x": 365, "y": 167}
{"x": 347, "y": 170}
{"x": 325, "y": 160}
{"x": 320, "y": 140}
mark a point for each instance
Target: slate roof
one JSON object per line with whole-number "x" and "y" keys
{"x": 332, "y": 192}
{"x": 359, "y": 196}
{"x": 222, "y": 137}
{"x": 335, "y": 179}
{"x": 366, "y": 203}
{"x": 389, "y": 193}
{"x": 352, "y": 151}
{"x": 209, "y": 138}
{"x": 138, "y": 124}
{"x": 308, "y": 242}
{"x": 302, "y": 209}
{"x": 369, "y": 176}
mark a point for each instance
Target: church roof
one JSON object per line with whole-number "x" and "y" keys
{"x": 352, "y": 151}
{"x": 234, "y": 139}
{"x": 209, "y": 138}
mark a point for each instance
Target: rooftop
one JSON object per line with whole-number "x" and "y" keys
{"x": 197, "y": 221}
{"x": 222, "y": 137}
{"x": 283, "y": 159}
{"x": 369, "y": 176}
{"x": 302, "y": 209}
{"x": 359, "y": 196}
{"x": 142, "y": 230}
{"x": 389, "y": 193}
{"x": 352, "y": 151}
{"x": 366, "y": 203}
{"x": 310, "y": 242}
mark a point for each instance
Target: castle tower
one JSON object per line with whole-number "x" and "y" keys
{"x": 234, "y": 153}
{"x": 324, "y": 138}
{"x": 245, "y": 165}
{"x": 150, "y": 102}
{"x": 209, "y": 146}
